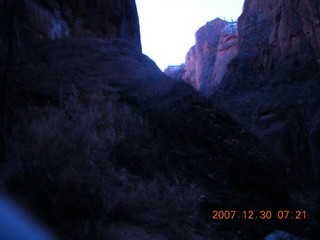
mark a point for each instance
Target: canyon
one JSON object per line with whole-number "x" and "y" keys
{"x": 98, "y": 143}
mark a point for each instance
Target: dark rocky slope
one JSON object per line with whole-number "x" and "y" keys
{"x": 100, "y": 142}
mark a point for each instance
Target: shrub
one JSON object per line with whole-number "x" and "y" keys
{"x": 79, "y": 169}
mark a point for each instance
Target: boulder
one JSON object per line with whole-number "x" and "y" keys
{"x": 280, "y": 235}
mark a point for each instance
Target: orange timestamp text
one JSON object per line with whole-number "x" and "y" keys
{"x": 259, "y": 215}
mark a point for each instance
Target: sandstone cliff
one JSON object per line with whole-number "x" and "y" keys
{"x": 272, "y": 86}
{"x": 227, "y": 50}
{"x": 206, "y": 62}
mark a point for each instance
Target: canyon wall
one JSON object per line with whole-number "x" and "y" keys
{"x": 28, "y": 25}
{"x": 272, "y": 85}
{"x": 26, "y": 21}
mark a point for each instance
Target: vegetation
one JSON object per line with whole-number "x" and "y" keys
{"x": 65, "y": 162}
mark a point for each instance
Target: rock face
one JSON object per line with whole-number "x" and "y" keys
{"x": 174, "y": 71}
{"x": 227, "y": 50}
{"x": 206, "y": 62}
{"x": 272, "y": 85}
{"x": 201, "y": 58}
{"x": 91, "y": 67}
{"x": 33, "y": 20}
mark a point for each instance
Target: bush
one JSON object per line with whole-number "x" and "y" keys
{"x": 83, "y": 168}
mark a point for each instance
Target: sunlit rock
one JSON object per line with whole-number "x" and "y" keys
{"x": 206, "y": 62}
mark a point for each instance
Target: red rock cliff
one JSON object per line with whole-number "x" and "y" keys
{"x": 206, "y": 62}
{"x": 227, "y": 50}
{"x": 274, "y": 30}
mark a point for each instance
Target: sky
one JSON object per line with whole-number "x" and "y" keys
{"x": 168, "y": 27}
